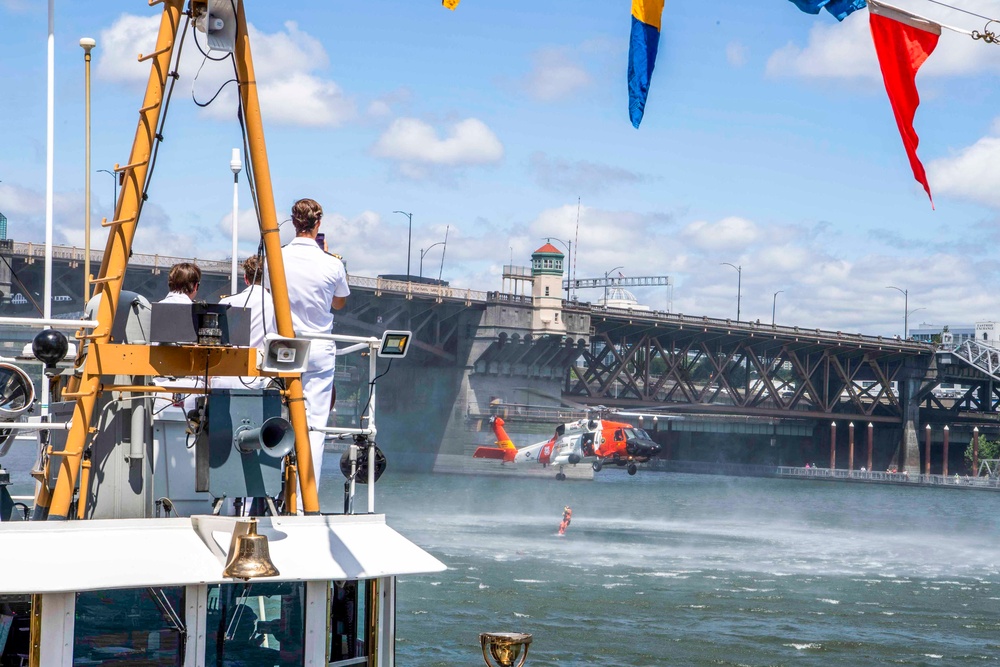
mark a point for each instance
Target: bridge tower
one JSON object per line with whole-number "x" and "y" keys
{"x": 546, "y": 291}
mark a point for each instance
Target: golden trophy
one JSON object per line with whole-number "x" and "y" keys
{"x": 504, "y": 648}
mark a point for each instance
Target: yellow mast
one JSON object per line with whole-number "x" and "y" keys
{"x": 272, "y": 251}
{"x": 112, "y": 273}
{"x": 106, "y": 358}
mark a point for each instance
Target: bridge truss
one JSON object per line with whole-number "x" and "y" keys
{"x": 716, "y": 366}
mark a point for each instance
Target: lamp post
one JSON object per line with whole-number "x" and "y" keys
{"x": 424, "y": 252}
{"x": 606, "y": 274}
{"x": 906, "y": 309}
{"x": 235, "y": 165}
{"x": 409, "y": 238}
{"x": 569, "y": 259}
{"x": 774, "y": 302}
{"x": 739, "y": 286}
{"x": 114, "y": 194}
{"x": 87, "y": 43}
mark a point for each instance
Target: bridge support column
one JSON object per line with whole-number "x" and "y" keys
{"x": 850, "y": 447}
{"x": 871, "y": 435}
{"x": 909, "y": 448}
{"x": 975, "y": 451}
{"x": 833, "y": 445}
{"x": 927, "y": 450}
{"x": 944, "y": 455}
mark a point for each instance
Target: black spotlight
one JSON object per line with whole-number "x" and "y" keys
{"x": 50, "y": 347}
{"x": 362, "y": 469}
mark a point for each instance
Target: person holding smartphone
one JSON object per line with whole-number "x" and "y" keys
{"x": 317, "y": 285}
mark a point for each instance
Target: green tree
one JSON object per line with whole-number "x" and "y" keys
{"x": 988, "y": 449}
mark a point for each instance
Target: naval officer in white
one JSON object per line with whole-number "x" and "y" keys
{"x": 317, "y": 285}
{"x": 258, "y": 301}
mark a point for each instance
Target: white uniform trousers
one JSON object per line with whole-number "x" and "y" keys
{"x": 317, "y": 389}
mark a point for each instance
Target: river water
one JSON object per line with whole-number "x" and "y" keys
{"x": 681, "y": 569}
{"x": 675, "y": 569}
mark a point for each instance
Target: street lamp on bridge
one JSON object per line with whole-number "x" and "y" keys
{"x": 774, "y": 302}
{"x": 409, "y": 238}
{"x": 906, "y": 309}
{"x": 424, "y": 252}
{"x": 114, "y": 199}
{"x": 739, "y": 286}
{"x": 606, "y": 274}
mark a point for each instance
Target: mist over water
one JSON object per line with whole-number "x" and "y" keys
{"x": 672, "y": 569}
{"x": 695, "y": 570}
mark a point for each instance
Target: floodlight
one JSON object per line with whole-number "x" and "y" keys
{"x": 394, "y": 344}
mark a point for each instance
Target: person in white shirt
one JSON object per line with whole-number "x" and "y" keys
{"x": 317, "y": 285}
{"x": 183, "y": 282}
{"x": 258, "y": 300}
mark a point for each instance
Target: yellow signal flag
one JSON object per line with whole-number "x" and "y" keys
{"x": 450, "y": 4}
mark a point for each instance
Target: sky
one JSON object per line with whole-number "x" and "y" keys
{"x": 768, "y": 143}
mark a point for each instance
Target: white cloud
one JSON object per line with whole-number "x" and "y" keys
{"x": 555, "y": 76}
{"x": 580, "y": 176}
{"x": 248, "y": 229}
{"x": 285, "y": 65}
{"x": 736, "y": 53}
{"x": 382, "y": 107}
{"x": 414, "y": 145}
{"x": 971, "y": 174}
{"x": 732, "y": 232}
{"x": 844, "y": 50}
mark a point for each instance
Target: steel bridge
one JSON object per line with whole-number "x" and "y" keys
{"x": 472, "y": 348}
{"x": 641, "y": 359}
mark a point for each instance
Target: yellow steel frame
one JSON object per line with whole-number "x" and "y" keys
{"x": 105, "y": 358}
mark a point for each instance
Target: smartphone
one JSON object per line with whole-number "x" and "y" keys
{"x": 321, "y": 241}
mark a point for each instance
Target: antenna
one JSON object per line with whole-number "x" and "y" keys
{"x": 576, "y": 242}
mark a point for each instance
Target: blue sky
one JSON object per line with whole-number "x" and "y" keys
{"x": 768, "y": 142}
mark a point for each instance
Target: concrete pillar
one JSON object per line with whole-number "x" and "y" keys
{"x": 850, "y": 447}
{"x": 927, "y": 450}
{"x": 909, "y": 453}
{"x": 975, "y": 452}
{"x": 944, "y": 463}
{"x": 871, "y": 437}
{"x": 833, "y": 445}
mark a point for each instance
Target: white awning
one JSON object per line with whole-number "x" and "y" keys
{"x": 48, "y": 557}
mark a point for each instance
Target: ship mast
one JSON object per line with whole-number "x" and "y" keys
{"x": 102, "y": 357}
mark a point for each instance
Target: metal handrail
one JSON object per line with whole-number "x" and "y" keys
{"x": 819, "y": 335}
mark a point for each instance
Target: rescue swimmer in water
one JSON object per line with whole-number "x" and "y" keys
{"x": 567, "y": 516}
{"x": 601, "y": 440}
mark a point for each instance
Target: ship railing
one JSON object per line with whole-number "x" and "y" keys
{"x": 366, "y": 432}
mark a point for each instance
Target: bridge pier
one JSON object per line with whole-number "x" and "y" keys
{"x": 909, "y": 446}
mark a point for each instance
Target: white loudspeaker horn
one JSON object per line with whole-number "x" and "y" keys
{"x": 284, "y": 355}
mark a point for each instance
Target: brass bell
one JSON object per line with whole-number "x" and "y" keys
{"x": 249, "y": 557}
{"x": 504, "y": 648}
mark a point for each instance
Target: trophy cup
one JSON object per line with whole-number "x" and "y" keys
{"x": 504, "y": 648}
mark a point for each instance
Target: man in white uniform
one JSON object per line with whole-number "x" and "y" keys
{"x": 258, "y": 300}
{"x": 317, "y": 285}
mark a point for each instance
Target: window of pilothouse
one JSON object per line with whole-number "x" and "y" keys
{"x": 261, "y": 624}
{"x": 352, "y": 624}
{"x": 138, "y": 626}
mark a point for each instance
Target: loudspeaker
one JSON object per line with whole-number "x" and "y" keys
{"x": 284, "y": 355}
